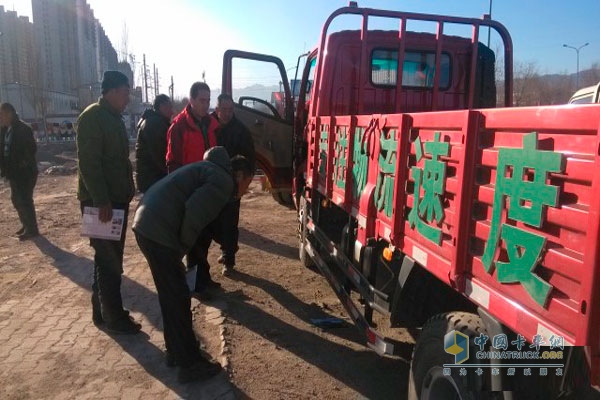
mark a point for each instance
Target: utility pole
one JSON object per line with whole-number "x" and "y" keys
{"x": 171, "y": 88}
{"x": 1, "y": 76}
{"x": 488, "y": 26}
{"x": 145, "y": 79}
{"x": 133, "y": 63}
{"x": 156, "y": 90}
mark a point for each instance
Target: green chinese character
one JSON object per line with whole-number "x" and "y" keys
{"x": 339, "y": 171}
{"x": 427, "y": 231}
{"x": 384, "y": 191}
{"x": 434, "y": 183}
{"x": 528, "y": 197}
{"x": 522, "y": 263}
{"x": 433, "y": 180}
{"x": 361, "y": 163}
{"x": 323, "y": 147}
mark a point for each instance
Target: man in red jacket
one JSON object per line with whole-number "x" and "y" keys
{"x": 193, "y": 130}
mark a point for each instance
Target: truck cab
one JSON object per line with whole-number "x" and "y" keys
{"x": 359, "y": 76}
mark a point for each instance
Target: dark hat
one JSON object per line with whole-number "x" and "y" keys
{"x": 113, "y": 80}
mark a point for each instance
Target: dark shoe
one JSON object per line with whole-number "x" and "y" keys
{"x": 213, "y": 285}
{"x": 227, "y": 270}
{"x": 20, "y": 231}
{"x": 199, "y": 371}
{"x": 170, "y": 360}
{"x": 201, "y": 295}
{"x": 28, "y": 235}
{"x": 96, "y": 310}
{"x": 123, "y": 326}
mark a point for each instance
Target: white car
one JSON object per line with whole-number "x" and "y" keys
{"x": 590, "y": 94}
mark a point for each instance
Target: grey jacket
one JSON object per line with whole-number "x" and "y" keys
{"x": 175, "y": 210}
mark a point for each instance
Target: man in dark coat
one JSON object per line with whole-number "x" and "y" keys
{"x": 106, "y": 182}
{"x": 18, "y": 166}
{"x": 237, "y": 140}
{"x": 169, "y": 219}
{"x": 151, "y": 145}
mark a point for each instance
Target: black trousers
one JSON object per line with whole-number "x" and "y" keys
{"x": 21, "y": 194}
{"x": 199, "y": 256}
{"x": 108, "y": 269}
{"x": 174, "y": 297}
{"x": 228, "y": 234}
{"x": 223, "y": 230}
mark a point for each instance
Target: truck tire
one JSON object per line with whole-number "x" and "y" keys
{"x": 302, "y": 217}
{"x": 426, "y": 379}
{"x": 284, "y": 198}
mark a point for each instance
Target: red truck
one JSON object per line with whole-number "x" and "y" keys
{"x": 422, "y": 201}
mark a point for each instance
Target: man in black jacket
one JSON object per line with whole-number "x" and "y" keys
{"x": 233, "y": 134}
{"x": 237, "y": 140}
{"x": 18, "y": 166}
{"x": 151, "y": 145}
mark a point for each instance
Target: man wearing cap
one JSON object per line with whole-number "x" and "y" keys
{"x": 106, "y": 182}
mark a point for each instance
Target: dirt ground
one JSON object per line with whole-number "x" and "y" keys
{"x": 263, "y": 335}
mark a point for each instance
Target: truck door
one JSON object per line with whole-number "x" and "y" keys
{"x": 259, "y": 86}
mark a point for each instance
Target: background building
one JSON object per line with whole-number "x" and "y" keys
{"x": 16, "y": 60}
{"x": 54, "y": 65}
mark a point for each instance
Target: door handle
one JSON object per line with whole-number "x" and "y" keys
{"x": 270, "y": 145}
{"x": 258, "y": 122}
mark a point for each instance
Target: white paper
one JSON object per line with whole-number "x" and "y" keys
{"x": 92, "y": 227}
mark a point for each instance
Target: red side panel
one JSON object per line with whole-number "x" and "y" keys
{"x": 450, "y": 131}
{"x": 428, "y": 183}
{"x": 569, "y": 260}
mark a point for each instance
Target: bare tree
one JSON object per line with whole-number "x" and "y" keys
{"x": 591, "y": 76}
{"x": 525, "y": 84}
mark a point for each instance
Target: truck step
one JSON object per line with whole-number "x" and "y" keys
{"x": 365, "y": 288}
{"x": 373, "y": 339}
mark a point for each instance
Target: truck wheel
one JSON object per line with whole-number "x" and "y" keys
{"x": 302, "y": 217}
{"x": 284, "y": 198}
{"x": 427, "y": 380}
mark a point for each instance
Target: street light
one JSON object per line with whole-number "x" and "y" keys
{"x": 577, "y": 51}
{"x": 489, "y": 29}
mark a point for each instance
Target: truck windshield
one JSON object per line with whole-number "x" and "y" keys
{"x": 418, "y": 68}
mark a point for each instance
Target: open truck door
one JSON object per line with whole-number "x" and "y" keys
{"x": 259, "y": 86}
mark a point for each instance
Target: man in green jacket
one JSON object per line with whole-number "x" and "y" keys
{"x": 106, "y": 182}
{"x": 169, "y": 219}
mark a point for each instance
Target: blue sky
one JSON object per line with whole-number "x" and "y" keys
{"x": 185, "y": 37}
